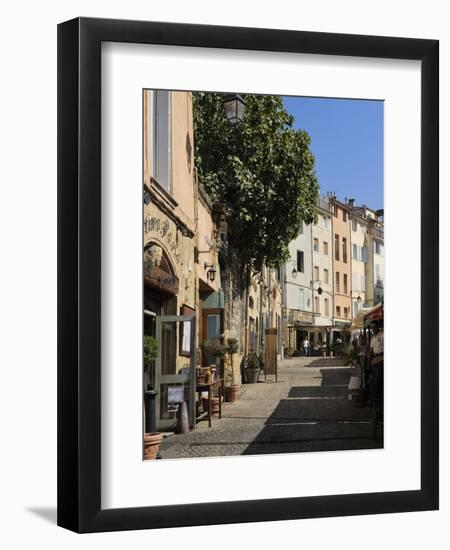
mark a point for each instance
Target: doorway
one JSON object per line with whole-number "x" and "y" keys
{"x": 173, "y": 384}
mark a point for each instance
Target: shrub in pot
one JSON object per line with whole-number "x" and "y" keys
{"x": 151, "y": 350}
{"x": 152, "y": 439}
{"x": 231, "y": 390}
{"x": 253, "y": 365}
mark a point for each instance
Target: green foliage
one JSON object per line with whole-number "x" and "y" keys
{"x": 232, "y": 346}
{"x": 213, "y": 347}
{"x": 254, "y": 360}
{"x": 262, "y": 169}
{"x": 151, "y": 349}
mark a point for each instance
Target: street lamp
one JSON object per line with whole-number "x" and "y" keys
{"x": 211, "y": 273}
{"x": 319, "y": 288}
{"x": 358, "y": 299}
{"x": 234, "y": 108}
{"x": 294, "y": 272}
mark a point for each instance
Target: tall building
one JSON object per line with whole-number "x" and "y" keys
{"x": 322, "y": 272}
{"x": 342, "y": 311}
{"x": 297, "y": 276}
{"x": 360, "y": 247}
{"x": 181, "y": 269}
{"x": 370, "y": 233}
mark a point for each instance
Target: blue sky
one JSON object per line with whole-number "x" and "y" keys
{"x": 347, "y": 142}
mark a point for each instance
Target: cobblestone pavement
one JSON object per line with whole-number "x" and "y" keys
{"x": 306, "y": 410}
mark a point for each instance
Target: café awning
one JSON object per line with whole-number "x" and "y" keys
{"x": 365, "y": 314}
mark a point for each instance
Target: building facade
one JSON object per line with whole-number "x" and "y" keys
{"x": 181, "y": 270}
{"x": 360, "y": 256}
{"x": 342, "y": 312}
{"x": 369, "y": 234}
{"x": 322, "y": 272}
{"x": 297, "y": 276}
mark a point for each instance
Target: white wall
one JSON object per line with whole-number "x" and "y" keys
{"x": 28, "y": 224}
{"x": 322, "y": 232}
{"x": 301, "y": 283}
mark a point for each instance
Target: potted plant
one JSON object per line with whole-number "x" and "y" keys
{"x": 231, "y": 391}
{"x": 152, "y": 441}
{"x": 213, "y": 348}
{"x": 253, "y": 365}
{"x": 151, "y": 350}
{"x": 152, "y": 438}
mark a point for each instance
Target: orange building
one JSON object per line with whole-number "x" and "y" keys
{"x": 342, "y": 312}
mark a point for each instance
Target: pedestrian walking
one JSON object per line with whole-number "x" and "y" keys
{"x": 305, "y": 346}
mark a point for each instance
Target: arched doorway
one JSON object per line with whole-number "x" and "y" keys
{"x": 162, "y": 322}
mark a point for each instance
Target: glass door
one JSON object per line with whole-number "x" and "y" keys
{"x": 175, "y": 368}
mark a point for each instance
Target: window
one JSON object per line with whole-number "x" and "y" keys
{"x": 336, "y": 247}
{"x": 300, "y": 261}
{"x": 363, "y": 283}
{"x": 325, "y": 248}
{"x": 355, "y": 281}
{"x": 344, "y": 249}
{"x": 344, "y": 215}
{"x": 364, "y": 254}
{"x": 377, "y": 247}
{"x": 345, "y": 283}
{"x": 354, "y": 225}
{"x": 355, "y": 308}
{"x": 316, "y": 273}
{"x": 335, "y": 210}
{"x": 326, "y": 276}
{"x": 346, "y": 312}
{"x": 354, "y": 251}
{"x": 338, "y": 282}
{"x": 378, "y": 281}
{"x": 316, "y": 245}
{"x": 302, "y": 298}
{"x": 338, "y": 311}
{"x": 316, "y": 304}
{"x": 161, "y": 138}
{"x": 327, "y": 307}
{"x": 326, "y": 222}
{"x": 301, "y": 228}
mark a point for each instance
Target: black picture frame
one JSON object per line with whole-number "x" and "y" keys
{"x": 79, "y": 274}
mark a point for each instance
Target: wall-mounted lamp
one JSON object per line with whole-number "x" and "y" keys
{"x": 319, "y": 288}
{"x": 211, "y": 273}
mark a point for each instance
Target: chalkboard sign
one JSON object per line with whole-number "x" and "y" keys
{"x": 175, "y": 394}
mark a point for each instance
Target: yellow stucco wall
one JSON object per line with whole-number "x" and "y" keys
{"x": 340, "y": 298}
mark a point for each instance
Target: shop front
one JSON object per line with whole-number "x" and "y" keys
{"x": 169, "y": 314}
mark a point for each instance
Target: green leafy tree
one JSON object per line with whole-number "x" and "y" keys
{"x": 262, "y": 169}
{"x": 232, "y": 347}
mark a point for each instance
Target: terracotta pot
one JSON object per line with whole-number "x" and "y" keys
{"x": 231, "y": 393}
{"x": 152, "y": 442}
{"x": 214, "y": 405}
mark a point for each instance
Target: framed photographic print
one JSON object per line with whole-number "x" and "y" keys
{"x": 248, "y": 275}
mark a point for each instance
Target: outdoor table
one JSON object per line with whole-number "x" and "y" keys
{"x": 210, "y": 387}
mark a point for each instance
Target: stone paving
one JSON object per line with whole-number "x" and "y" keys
{"x": 306, "y": 410}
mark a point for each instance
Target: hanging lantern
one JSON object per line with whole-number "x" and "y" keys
{"x": 234, "y": 108}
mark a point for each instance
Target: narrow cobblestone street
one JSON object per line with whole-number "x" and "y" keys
{"x": 306, "y": 410}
